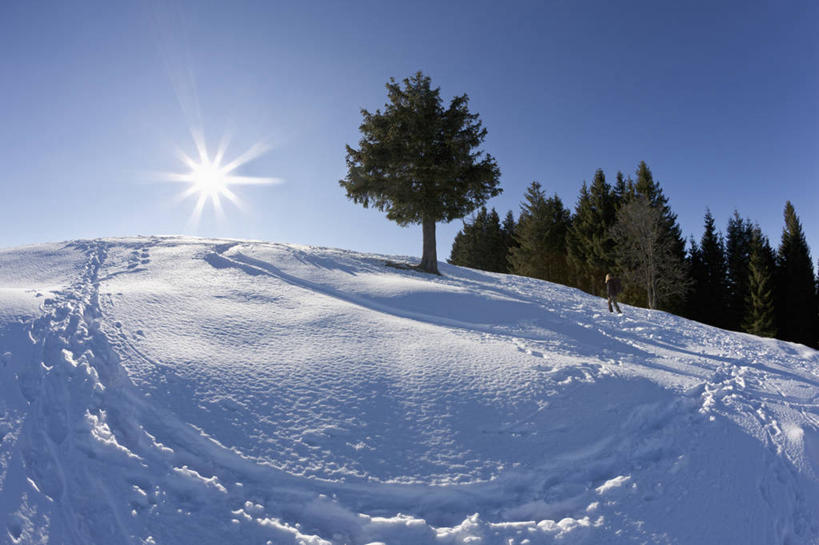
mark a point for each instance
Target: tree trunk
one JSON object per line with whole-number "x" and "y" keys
{"x": 429, "y": 259}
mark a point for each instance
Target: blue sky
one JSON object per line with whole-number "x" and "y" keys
{"x": 721, "y": 99}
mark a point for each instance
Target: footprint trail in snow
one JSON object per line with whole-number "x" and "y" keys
{"x": 173, "y": 390}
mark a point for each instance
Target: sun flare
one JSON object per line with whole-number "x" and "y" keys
{"x": 209, "y": 179}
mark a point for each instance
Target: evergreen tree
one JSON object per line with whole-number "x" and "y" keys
{"x": 760, "y": 317}
{"x": 494, "y": 247}
{"x": 795, "y": 284}
{"x": 646, "y": 186}
{"x": 696, "y": 270}
{"x": 417, "y": 161}
{"x": 590, "y": 246}
{"x": 508, "y": 228}
{"x": 711, "y": 292}
{"x": 646, "y": 254}
{"x": 541, "y": 237}
{"x": 461, "y": 251}
{"x": 622, "y": 189}
{"x": 465, "y": 246}
{"x": 481, "y": 244}
{"x": 816, "y": 336}
{"x": 577, "y": 243}
{"x": 738, "y": 256}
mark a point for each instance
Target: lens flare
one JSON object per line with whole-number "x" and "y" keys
{"x": 209, "y": 179}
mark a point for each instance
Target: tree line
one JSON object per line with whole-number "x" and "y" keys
{"x": 421, "y": 163}
{"x": 735, "y": 280}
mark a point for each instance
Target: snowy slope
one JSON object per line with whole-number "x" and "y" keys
{"x": 175, "y": 390}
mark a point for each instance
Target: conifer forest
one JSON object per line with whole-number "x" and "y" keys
{"x": 737, "y": 279}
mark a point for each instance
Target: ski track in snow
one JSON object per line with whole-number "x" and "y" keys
{"x": 642, "y": 428}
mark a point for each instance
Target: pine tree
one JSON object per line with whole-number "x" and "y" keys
{"x": 466, "y": 244}
{"x": 577, "y": 241}
{"x": 494, "y": 247}
{"x": 462, "y": 244}
{"x": 590, "y": 246}
{"x": 711, "y": 292}
{"x": 418, "y": 162}
{"x": 816, "y": 317}
{"x": 621, "y": 190}
{"x": 646, "y": 186}
{"x": 739, "y": 235}
{"x": 481, "y": 244}
{"x": 508, "y": 228}
{"x": 760, "y": 316}
{"x": 795, "y": 284}
{"x": 646, "y": 255}
{"x": 696, "y": 270}
{"x": 816, "y": 289}
{"x": 541, "y": 237}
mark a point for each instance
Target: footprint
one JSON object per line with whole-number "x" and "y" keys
{"x": 222, "y": 248}
{"x": 15, "y": 530}
{"x": 526, "y": 350}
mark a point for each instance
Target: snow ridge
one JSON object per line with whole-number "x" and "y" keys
{"x": 194, "y": 391}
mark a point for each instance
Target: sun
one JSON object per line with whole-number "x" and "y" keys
{"x": 209, "y": 179}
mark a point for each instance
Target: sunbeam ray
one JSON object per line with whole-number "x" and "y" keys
{"x": 187, "y": 193}
{"x": 232, "y": 197}
{"x": 209, "y": 179}
{"x": 197, "y": 210}
{"x": 220, "y": 151}
{"x": 252, "y": 180}
{"x": 185, "y": 158}
{"x": 170, "y": 177}
{"x": 217, "y": 206}
{"x": 201, "y": 146}
{"x": 256, "y": 150}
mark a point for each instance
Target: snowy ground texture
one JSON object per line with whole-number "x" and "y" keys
{"x": 187, "y": 391}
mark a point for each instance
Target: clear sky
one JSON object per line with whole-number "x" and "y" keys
{"x": 721, "y": 99}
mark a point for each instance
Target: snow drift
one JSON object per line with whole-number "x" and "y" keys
{"x": 177, "y": 390}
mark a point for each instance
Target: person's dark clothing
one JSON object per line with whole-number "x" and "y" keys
{"x": 612, "y": 289}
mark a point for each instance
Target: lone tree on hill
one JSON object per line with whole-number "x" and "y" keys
{"x": 418, "y": 162}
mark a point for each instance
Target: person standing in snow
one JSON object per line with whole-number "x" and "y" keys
{"x": 613, "y": 288}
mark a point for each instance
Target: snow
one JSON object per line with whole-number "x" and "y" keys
{"x": 181, "y": 390}
{"x": 616, "y": 482}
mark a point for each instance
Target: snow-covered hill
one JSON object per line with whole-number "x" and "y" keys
{"x": 188, "y": 391}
